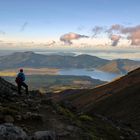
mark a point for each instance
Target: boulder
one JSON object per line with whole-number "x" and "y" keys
{"x": 44, "y": 135}
{"x": 10, "y": 132}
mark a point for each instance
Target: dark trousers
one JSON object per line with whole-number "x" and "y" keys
{"x": 22, "y": 84}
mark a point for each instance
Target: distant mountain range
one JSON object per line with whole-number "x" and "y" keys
{"x": 31, "y": 59}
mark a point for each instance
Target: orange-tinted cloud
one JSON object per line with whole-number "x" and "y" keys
{"x": 67, "y": 38}
{"x": 135, "y": 37}
{"x": 133, "y": 34}
{"x": 115, "y": 39}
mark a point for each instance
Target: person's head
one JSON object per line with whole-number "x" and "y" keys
{"x": 21, "y": 70}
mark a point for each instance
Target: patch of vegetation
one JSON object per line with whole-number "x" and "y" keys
{"x": 92, "y": 128}
{"x": 66, "y": 112}
{"x": 85, "y": 118}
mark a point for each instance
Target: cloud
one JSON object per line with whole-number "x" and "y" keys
{"x": 67, "y": 38}
{"x": 117, "y": 31}
{"x": 112, "y": 32}
{"x": 130, "y": 29}
{"x": 24, "y": 26}
{"x": 114, "y": 28}
{"x": 132, "y": 33}
{"x": 135, "y": 37}
{"x": 50, "y": 43}
{"x": 97, "y": 30}
{"x": 115, "y": 39}
{"x": 117, "y": 34}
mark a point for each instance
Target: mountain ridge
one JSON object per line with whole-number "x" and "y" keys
{"x": 120, "y": 66}
{"x": 31, "y": 59}
{"x": 34, "y": 60}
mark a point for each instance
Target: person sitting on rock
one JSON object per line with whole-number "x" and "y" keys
{"x": 20, "y": 81}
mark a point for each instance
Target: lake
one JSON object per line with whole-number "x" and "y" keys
{"x": 95, "y": 74}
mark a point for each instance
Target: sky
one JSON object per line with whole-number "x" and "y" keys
{"x": 44, "y": 19}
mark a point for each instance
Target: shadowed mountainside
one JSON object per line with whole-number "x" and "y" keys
{"x": 119, "y": 99}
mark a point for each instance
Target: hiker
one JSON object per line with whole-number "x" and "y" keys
{"x": 20, "y": 81}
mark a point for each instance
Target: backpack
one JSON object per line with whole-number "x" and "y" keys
{"x": 17, "y": 80}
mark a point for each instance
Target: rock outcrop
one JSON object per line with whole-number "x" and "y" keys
{"x": 6, "y": 88}
{"x": 10, "y": 132}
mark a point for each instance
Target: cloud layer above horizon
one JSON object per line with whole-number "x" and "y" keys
{"x": 115, "y": 33}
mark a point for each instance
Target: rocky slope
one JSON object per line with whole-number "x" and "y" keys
{"x": 32, "y": 117}
{"x": 6, "y": 88}
{"x": 39, "y": 117}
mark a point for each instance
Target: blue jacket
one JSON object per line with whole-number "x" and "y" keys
{"x": 21, "y": 76}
